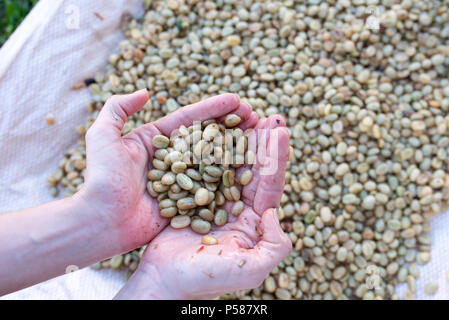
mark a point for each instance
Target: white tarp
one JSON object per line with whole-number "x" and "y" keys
{"x": 43, "y": 59}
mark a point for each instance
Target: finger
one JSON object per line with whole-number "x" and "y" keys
{"x": 233, "y": 239}
{"x": 271, "y": 122}
{"x": 144, "y": 136}
{"x": 116, "y": 110}
{"x": 272, "y": 172}
{"x": 263, "y": 126}
{"x": 211, "y": 108}
{"x": 250, "y": 122}
{"x": 275, "y": 245}
{"x": 261, "y": 123}
{"x": 245, "y": 224}
{"x": 262, "y": 132}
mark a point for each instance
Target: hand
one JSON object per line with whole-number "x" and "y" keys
{"x": 177, "y": 266}
{"x": 115, "y": 185}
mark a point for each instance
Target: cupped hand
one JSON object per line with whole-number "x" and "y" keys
{"x": 115, "y": 180}
{"x": 176, "y": 265}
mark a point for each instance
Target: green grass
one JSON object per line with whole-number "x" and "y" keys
{"x": 12, "y": 12}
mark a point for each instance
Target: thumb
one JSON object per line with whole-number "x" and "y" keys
{"x": 271, "y": 249}
{"x": 116, "y": 110}
{"x": 274, "y": 240}
{"x": 274, "y": 245}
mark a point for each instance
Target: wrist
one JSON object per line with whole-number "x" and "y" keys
{"x": 99, "y": 229}
{"x": 86, "y": 203}
{"x": 122, "y": 223}
{"x": 146, "y": 284}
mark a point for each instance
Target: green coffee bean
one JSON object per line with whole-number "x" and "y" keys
{"x": 198, "y": 148}
{"x": 237, "y": 208}
{"x": 212, "y": 206}
{"x": 235, "y": 193}
{"x": 169, "y": 212}
{"x": 168, "y": 179}
{"x": 195, "y": 175}
{"x": 196, "y": 136}
{"x": 159, "y": 187}
{"x": 211, "y": 197}
{"x": 186, "y": 203}
{"x": 160, "y": 142}
{"x": 200, "y": 226}
{"x": 205, "y": 123}
{"x": 211, "y": 186}
{"x": 221, "y": 217}
{"x": 160, "y": 165}
{"x": 162, "y": 196}
{"x": 246, "y": 177}
{"x": 202, "y": 197}
{"x": 238, "y": 161}
{"x": 186, "y": 212}
{"x": 175, "y": 156}
{"x": 175, "y": 188}
{"x": 206, "y": 214}
{"x": 167, "y": 160}
{"x": 213, "y": 171}
{"x": 151, "y": 190}
{"x": 431, "y": 288}
{"x": 210, "y": 179}
{"x": 167, "y": 203}
{"x": 161, "y": 154}
{"x": 232, "y": 120}
{"x": 219, "y": 198}
{"x": 180, "y": 222}
{"x": 210, "y": 132}
{"x": 250, "y": 157}
{"x": 116, "y": 262}
{"x": 184, "y": 181}
{"x": 227, "y": 194}
{"x": 196, "y": 186}
{"x": 178, "y": 167}
{"x": 155, "y": 175}
{"x": 209, "y": 240}
{"x": 240, "y": 148}
{"x": 180, "y": 145}
{"x": 228, "y": 178}
{"x": 201, "y": 168}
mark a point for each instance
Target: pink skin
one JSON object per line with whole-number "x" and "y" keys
{"x": 117, "y": 166}
{"x": 249, "y": 247}
{"x": 113, "y": 214}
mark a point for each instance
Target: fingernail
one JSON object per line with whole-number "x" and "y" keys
{"x": 142, "y": 90}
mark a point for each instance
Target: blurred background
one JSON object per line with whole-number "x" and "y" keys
{"x": 12, "y": 13}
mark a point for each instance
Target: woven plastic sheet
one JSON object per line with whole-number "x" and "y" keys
{"x": 59, "y": 44}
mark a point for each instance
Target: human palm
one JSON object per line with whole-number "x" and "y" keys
{"x": 117, "y": 166}
{"x": 249, "y": 246}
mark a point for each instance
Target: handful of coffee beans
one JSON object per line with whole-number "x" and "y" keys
{"x": 194, "y": 173}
